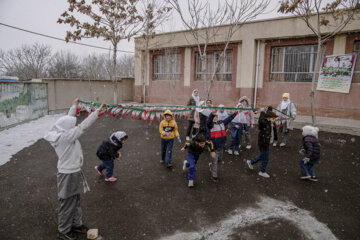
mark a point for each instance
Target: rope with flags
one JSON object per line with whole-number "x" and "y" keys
{"x": 149, "y": 112}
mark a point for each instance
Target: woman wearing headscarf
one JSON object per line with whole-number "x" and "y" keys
{"x": 286, "y": 122}
{"x": 193, "y": 101}
{"x": 71, "y": 182}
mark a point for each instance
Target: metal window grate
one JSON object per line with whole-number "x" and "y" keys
{"x": 293, "y": 63}
{"x": 224, "y": 68}
{"x": 167, "y": 66}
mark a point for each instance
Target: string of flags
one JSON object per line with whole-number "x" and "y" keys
{"x": 150, "y": 112}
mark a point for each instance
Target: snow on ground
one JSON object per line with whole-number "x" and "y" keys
{"x": 15, "y": 139}
{"x": 267, "y": 208}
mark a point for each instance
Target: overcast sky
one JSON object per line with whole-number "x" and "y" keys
{"x": 41, "y": 16}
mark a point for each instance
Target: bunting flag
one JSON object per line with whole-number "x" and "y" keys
{"x": 147, "y": 113}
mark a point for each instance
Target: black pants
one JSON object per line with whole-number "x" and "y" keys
{"x": 191, "y": 124}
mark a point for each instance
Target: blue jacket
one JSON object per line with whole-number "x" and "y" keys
{"x": 218, "y": 130}
{"x": 108, "y": 150}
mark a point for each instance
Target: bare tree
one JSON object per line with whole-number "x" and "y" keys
{"x": 204, "y": 26}
{"x": 126, "y": 66}
{"x": 26, "y": 62}
{"x": 112, "y": 20}
{"x": 324, "y": 21}
{"x": 93, "y": 67}
{"x": 154, "y": 13}
{"x": 65, "y": 65}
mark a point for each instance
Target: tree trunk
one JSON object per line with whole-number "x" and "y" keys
{"x": 114, "y": 75}
{"x": 312, "y": 94}
{"x": 203, "y": 69}
{"x": 144, "y": 69}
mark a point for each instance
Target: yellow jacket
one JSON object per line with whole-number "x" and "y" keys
{"x": 169, "y": 127}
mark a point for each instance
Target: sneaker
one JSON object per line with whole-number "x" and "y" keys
{"x": 67, "y": 236}
{"x": 264, "y": 174}
{"x": 275, "y": 143}
{"x": 184, "y": 165}
{"x": 111, "y": 179}
{"x": 305, "y": 177}
{"x": 236, "y": 153}
{"x": 214, "y": 179}
{"x": 282, "y": 144}
{"x": 230, "y": 152}
{"x": 100, "y": 172}
{"x": 187, "y": 138}
{"x": 80, "y": 229}
{"x": 248, "y": 147}
{"x": 191, "y": 184}
{"x": 249, "y": 164}
{"x": 314, "y": 179}
{"x": 169, "y": 165}
{"x": 162, "y": 161}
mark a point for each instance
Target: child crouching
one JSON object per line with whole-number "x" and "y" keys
{"x": 311, "y": 150}
{"x": 108, "y": 152}
{"x": 195, "y": 148}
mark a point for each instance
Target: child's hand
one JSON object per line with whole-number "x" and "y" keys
{"x": 252, "y": 125}
{"x": 213, "y": 154}
{"x": 102, "y": 107}
{"x": 166, "y": 134}
{"x": 182, "y": 149}
{"x": 76, "y": 101}
{"x": 237, "y": 126}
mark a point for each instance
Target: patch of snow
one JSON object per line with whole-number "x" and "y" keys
{"x": 268, "y": 208}
{"x": 15, "y": 139}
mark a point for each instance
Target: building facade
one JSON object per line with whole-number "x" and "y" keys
{"x": 264, "y": 59}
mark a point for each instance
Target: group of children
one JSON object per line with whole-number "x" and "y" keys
{"x": 210, "y": 134}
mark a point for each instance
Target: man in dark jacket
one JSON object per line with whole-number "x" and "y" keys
{"x": 108, "y": 152}
{"x": 217, "y": 131}
{"x": 265, "y": 121}
{"x": 311, "y": 150}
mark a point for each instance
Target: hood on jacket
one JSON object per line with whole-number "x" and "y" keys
{"x": 310, "y": 130}
{"x": 117, "y": 136}
{"x": 168, "y": 112}
{"x": 246, "y": 99}
{"x": 62, "y": 125}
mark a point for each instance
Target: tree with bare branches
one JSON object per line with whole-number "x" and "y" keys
{"x": 26, "y": 62}
{"x": 205, "y": 27}
{"x": 154, "y": 13}
{"x": 64, "y": 65}
{"x": 325, "y": 21}
{"x": 112, "y": 20}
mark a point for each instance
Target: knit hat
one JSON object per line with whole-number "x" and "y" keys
{"x": 310, "y": 130}
{"x": 287, "y": 95}
{"x": 270, "y": 114}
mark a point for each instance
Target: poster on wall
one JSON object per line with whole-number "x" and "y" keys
{"x": 336, "y": 73}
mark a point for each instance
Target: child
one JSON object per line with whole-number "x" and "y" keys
{"x": 274, "y": 131}
{"x": 311, "y": 149}
{"x": 193, "y": 101}
{"x": 168, "y": 131}
{"x": 108, "y": 151}
{"x": 286, "y": 125}
{"x": 71, "y": 182}
{"x": 265, "y": 121}
{"x": 195, "y": 148}
{"x": 250, "y": 119}
{"x": 222, "y": 114}
{"x": 238, "y": 124}
{"x": 217, "y": 130}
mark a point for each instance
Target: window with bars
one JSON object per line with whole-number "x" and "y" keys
{"x": 213, "y": 63}
{"x": 167, "y": 66}
{"x": 356, "y": 76}
{"x": 293, "y": 63}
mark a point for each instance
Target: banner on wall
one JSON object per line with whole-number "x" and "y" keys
{"x": 336, "y": 73}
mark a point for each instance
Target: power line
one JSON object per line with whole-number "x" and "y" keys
{"x": 56, "y": 38}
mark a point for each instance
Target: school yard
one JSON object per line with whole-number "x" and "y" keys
{"x": 151, "y": 202}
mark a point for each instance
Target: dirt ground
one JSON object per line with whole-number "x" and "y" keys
{"x": 151, "y": 202}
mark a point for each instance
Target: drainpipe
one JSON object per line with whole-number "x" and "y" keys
{"x": 257, "y": 72}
